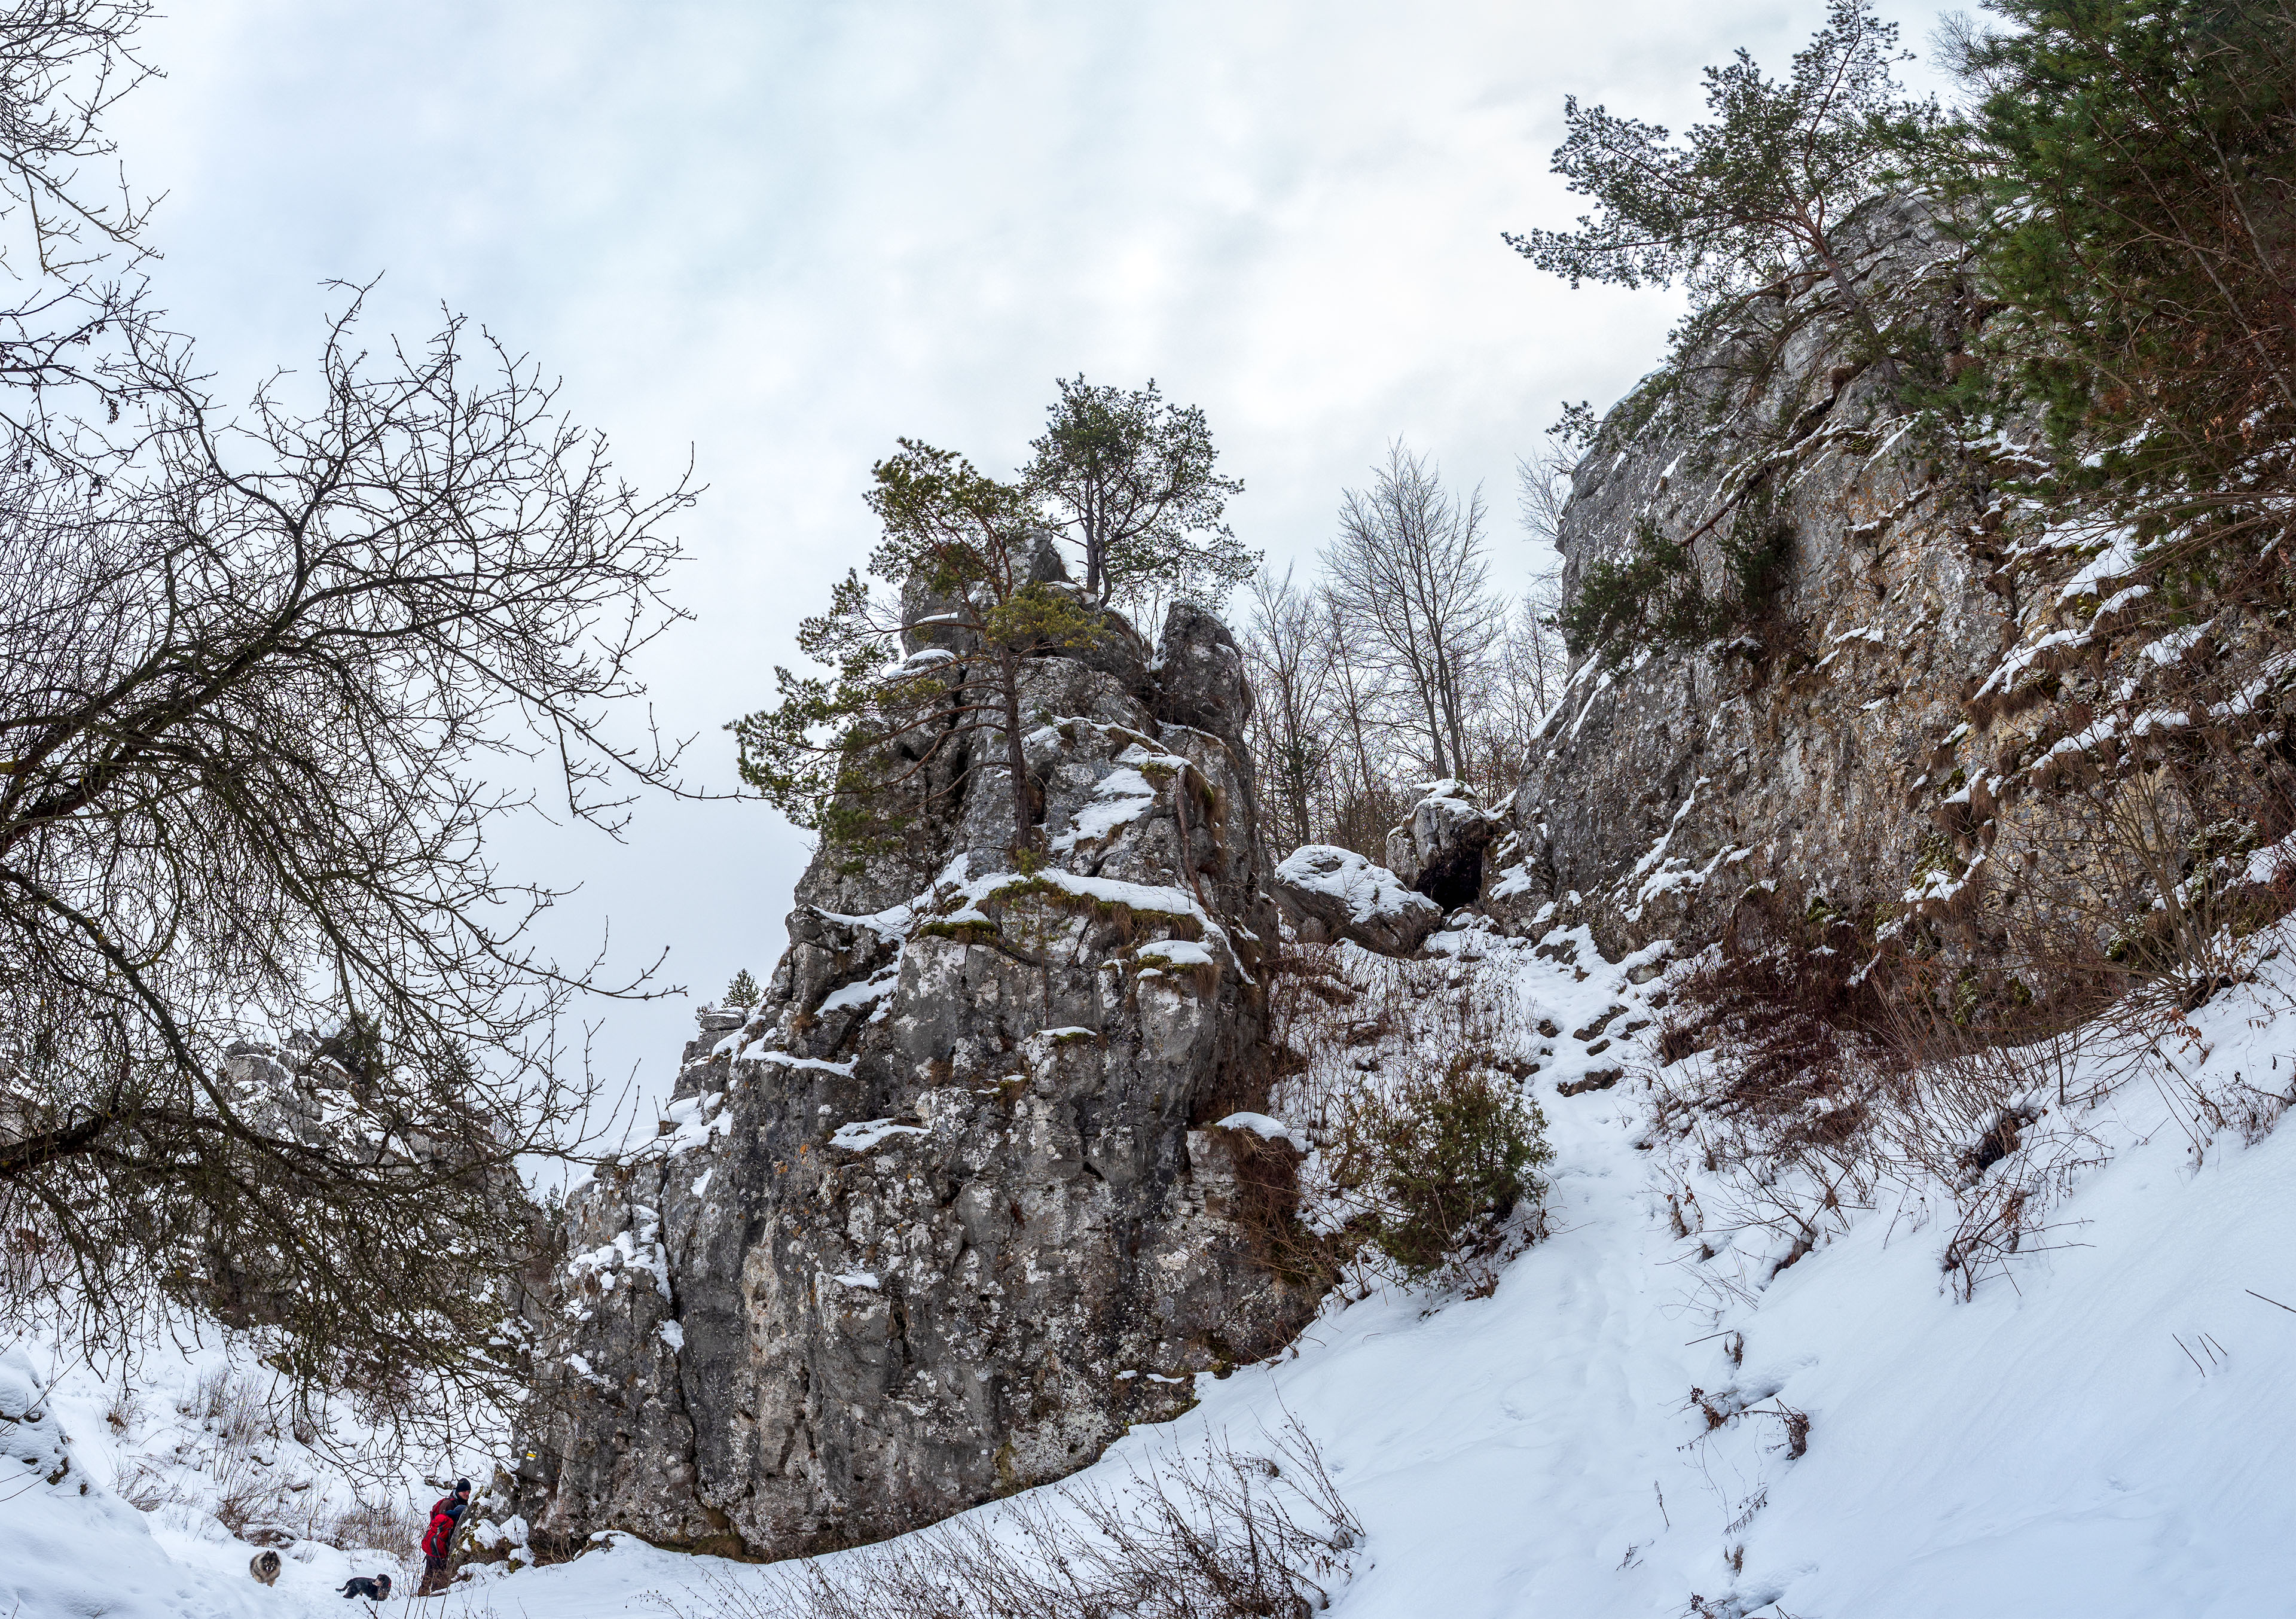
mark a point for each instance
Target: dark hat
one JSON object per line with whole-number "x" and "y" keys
{"x": 462, "y": 1486}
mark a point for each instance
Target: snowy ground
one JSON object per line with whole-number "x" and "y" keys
{"x": 189, "y": 1436}
{"x": 2099, "y": 1432}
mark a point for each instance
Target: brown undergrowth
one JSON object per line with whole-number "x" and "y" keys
{"x": 1209, "y": 1533}
{"x": 1813, "y": 1071}
{"x": 1408, "y": 1078}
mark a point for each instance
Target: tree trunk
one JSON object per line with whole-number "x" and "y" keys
{"x": 1434, "y": 730}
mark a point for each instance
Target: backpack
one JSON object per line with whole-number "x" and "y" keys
{"x": 440, "y": 1533}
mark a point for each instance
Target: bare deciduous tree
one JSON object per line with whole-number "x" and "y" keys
{"x": 274, "y": 1030}
{"x": 1542, "y": 489}
{"x": 1409, "y": 577}
{"x": 1291, "y": 677}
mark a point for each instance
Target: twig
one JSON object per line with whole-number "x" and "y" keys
{"x": 2253, "y": 1293}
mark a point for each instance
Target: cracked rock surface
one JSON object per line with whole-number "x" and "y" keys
{"x": 950, "y": 1210}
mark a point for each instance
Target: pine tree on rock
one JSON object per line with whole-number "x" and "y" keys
{"x": 1755, "y": 198}
{"x": 1130, "y": 478}
{"x": 975, "y": 591}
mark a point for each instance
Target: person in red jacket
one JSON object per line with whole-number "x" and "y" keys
{"x": 445, "y": 1514}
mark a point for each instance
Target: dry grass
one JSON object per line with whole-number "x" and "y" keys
{"x": 1214, "y": 1534}
{"x": 231, "y": 1465}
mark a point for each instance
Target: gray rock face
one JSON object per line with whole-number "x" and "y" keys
{"x": 1328, "y": 893}
{"x": 948, "y": 1212}
{"x": 1890, "y": 742}
{"x": 1200, "y": 679}
{"x": 1439, "y": 849}
{"x": 1673, "y": 787}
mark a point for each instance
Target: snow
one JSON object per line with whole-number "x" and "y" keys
{"x": 1263, "y": 1126}
{"x": 1369, "y": 890}
{"x": 860, "y": 1136}
{"x": 75, "y": 1547}
{"x": 1176, "y": 953}
{"x": 788, "y": 1060}
{"x": 1123, "y": 796}
{"x": 1148, "y": 898}
{"x": 2095, "y": 1434}
{"x": 866, "y": 991}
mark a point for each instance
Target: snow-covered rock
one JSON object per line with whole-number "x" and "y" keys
{"x": 1329, "y": 893}
{"x": 1438, "y": 849}
{"x": 1888, "y": 739}
{"x": 913, "y": 1217}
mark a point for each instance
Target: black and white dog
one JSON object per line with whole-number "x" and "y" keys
{"x": 377, "y": 1589}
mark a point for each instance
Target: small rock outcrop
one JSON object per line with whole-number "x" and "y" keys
{"x": 1439, "y": 849}
{"x": 955, "y": 1206}
{"x": 1329, "y": 894}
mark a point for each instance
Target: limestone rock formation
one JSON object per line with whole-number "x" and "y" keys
{"x": 950, "y": 1210}
{"x": 1438, "y": 849}
{"x": 1890, "y": 738}
{"x": 1328, "y": 893}
{"x": 1670, "y": 786}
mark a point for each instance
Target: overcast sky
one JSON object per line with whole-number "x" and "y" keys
{"x": 776, "y": 236}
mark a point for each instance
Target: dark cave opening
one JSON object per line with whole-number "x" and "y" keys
{"x": 1455, "y": 882}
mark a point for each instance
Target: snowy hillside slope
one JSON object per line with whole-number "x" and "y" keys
{"x": 2100, "y": 1431}
{"x": 143, "y": 1518}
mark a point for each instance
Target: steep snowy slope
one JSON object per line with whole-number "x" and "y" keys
{"x": 2099, "y": 1432}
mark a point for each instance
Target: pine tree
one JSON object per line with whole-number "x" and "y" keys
{"x": 1131, "y": 478}
{"x": 853, "y": 755}
{"x": 1755, "y": 199}
{"x": 2137, "y": 162}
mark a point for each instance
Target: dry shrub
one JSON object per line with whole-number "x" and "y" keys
{"x": 233, "y": 1468}
{"x": 2142, "y": 866}
{"x": 1211, "y": 1534}
{"x": 1788, "y": 1011}
{"x": 1990, "y": 1116}
{"x": 394, "y": 1526}
{"x": 1267, "y": 1209}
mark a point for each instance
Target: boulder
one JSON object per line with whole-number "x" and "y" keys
{"x": 1199, "y": 676}
{"x": 1329, "y": 892}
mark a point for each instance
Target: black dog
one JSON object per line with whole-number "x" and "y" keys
{"x": 377, "y": 1589}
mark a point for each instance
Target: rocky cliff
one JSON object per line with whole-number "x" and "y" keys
{"x": 953, "y": 1207}
{"x": 1948, "y": 706}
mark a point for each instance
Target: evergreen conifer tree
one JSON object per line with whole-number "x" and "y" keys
{"x": 856, "y": 755}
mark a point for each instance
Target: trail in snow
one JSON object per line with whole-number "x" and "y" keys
{"x": 2047, "y": 1449}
